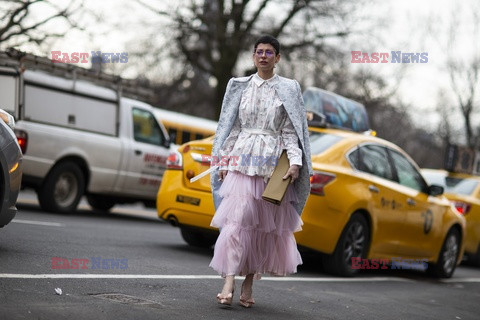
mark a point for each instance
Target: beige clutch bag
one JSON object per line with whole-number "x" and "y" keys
{"x": 276, "y": 186}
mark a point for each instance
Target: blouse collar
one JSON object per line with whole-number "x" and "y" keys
{"x": 259, "y": 81}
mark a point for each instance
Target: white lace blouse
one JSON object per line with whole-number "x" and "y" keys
{"x": 260, "y": 133}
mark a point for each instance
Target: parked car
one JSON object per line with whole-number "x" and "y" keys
{"x": 11, "y": 169}
{"x": 368, "y": 201}
{"x": 463, "y": 190}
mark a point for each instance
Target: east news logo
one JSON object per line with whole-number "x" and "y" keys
{"x": 394, "y": 56}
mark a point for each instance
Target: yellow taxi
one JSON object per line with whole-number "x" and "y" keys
{"x": 463, "y": 190}
{"x": 368, "y": 204}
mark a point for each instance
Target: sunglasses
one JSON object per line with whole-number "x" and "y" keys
{"x": 268, "y": 53}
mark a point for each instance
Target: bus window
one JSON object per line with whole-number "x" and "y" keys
{"x": 172, "y": 133}
{"x": 185, "y": 136}
{"x": 183, "y": 128}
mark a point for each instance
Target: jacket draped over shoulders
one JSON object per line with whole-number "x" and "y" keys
{"x": 290, "y": 94}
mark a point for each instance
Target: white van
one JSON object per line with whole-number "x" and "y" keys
{"x": 79, "y": 138}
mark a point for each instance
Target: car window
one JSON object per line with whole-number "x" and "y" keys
{"x": 452, "y": 185}
{"x": 146, "y": 128}
{"x": 372, "y": 159}
{"x": 407, "y": 174}
{"x": 319, "y": 142}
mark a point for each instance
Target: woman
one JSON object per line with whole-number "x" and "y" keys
{"x": 261, "y": 115}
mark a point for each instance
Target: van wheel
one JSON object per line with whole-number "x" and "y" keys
{"x": 62, "y": 188}
{"x": 100, "y": 203}
{"x": 448, "y": 256}
{"x": 197, "y": 238}
{"x": 353, "y": 242}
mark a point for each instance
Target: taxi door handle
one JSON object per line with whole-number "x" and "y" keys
{"x": 372, "y": 188}
{"x": 138, "y": 152}
{"x": 411, "y": 202}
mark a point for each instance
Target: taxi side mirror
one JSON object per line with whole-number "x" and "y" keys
{"x": 435, "y": 190}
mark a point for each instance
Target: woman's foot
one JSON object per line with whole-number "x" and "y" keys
{"x": 226, "y": 296}
{"x": 247, "y": 303}
{"x": 246, "y": 299}
{"x": 225, "y": 299}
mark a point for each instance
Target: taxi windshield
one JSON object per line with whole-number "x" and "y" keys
{"x": 319, "y": 142}
{"x": 463, "y": 186}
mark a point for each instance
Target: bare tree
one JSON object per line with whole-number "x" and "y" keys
{"x": 212, "y": 35}
{"x": 464, "y": 72}
{"x": 19, "y": 25}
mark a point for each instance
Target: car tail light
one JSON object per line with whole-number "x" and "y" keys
{"x": 462, "y": 207}
{"x": 22, "y": 139}
{"x": 318, "y": 182}
{"x": 174, "y": 160}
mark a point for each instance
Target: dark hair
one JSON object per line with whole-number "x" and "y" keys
{"x": 268, "y": 40}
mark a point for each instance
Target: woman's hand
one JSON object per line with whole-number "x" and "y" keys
{"x": 222, "y": 174}
{"x": 293, "y": 172}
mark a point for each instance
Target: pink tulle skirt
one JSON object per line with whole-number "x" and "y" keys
{"x": 256, "y": 236}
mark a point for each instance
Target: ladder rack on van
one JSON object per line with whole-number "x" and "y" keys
{"x": 131, "y": 88}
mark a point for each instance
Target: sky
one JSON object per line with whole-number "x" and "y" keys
{"x": 416, "y": 26}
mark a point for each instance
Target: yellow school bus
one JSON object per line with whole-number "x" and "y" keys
{"x": 183, "y": 128}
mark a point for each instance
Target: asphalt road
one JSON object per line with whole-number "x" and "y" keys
{"x": 136, "y": 267}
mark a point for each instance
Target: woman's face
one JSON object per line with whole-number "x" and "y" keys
{"x": 265, "y": 57}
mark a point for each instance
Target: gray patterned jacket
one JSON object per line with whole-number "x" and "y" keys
{"x": 289, "y": 92}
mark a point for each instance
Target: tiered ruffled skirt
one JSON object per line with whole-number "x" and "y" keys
{"x": 256, "y": 236}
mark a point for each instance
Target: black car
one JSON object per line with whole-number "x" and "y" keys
{"x": 11, "y": 169}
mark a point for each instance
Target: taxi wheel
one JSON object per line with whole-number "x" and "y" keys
{"x": 197, "y": 238}
{"x": 447, "y": 259}
{"x": 353, "y": 242}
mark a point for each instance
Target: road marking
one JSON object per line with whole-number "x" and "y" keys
{"x": 39, "y": 223}
{"x": 215, "y": 277}
{"x": 461, "y": 280}
{"x": 192, "y": 277}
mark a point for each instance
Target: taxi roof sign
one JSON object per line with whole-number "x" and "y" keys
{"x": 325, "y": 108}
{"x": 462, "y": 159}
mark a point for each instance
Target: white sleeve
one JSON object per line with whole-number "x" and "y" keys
{"x": 290, "y": 142}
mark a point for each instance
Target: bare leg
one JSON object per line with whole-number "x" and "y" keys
{"x": 246, "y": 299}
{"x": 229, "y": 285}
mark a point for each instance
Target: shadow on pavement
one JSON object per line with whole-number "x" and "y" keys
{"x": 88, "y": 213}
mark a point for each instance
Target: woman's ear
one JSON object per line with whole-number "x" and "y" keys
{"x": 277, "y": 58}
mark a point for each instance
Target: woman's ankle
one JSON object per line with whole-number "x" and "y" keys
{"x": 229, "y": 285}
